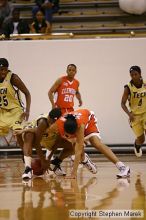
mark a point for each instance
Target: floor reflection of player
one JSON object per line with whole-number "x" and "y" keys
{"x": 106, "y": 202}
{"x": 75, "y": 193}
{"x": 79, "y": 197}
{"x": 39, "y": 200}
{"x": 52, "y": 198}
{"x": 139, "y": 202}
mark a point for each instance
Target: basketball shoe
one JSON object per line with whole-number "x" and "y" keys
{"x": 137, "y": 150}
{"x": 56, "y": 168}
{"x": 124, "y": 172}
{"x": 89, "y": 164}
{"x": 27, "y": 173}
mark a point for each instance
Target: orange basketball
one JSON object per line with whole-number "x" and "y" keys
{"x": 37, "y": 166}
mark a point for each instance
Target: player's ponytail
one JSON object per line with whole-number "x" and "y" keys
{"x": 70, "y": 116}
{"x": 70, "y": 125}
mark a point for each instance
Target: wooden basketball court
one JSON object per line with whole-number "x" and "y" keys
{"x": 56, "y": 198}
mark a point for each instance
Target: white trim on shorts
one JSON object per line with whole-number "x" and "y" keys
{"x": 91, "y": 135}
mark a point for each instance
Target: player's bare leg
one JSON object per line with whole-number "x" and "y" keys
{"x": 27, "y": 150}
{"x": 124, "y": 171}
{"x": 137, "y": 145}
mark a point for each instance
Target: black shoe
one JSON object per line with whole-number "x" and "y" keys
{"x": 137, "y": 150}
{"x": 27, "y": 173}
{"x": 56, "y": 168}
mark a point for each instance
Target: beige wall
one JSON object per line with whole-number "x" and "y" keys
{"x": 103, "y": 70}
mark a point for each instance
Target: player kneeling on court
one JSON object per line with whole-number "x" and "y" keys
{"x": 27, "y": 138}
{"x": 37, "y": 134}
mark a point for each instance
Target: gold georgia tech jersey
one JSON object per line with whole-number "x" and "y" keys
{"x": 9, "y": 96}
{"x": 48, "y": 140}
{"x": 137, "y": 98}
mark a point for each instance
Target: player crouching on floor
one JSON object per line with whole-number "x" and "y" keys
{"x": 36, "y": 134}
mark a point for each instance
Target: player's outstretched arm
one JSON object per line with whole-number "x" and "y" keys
{"x": 78, "y": 151}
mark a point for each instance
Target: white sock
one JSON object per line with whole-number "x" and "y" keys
{"x": 27, "y": 161}
{"x": 120, "y": 164}
{"x": 48, "y": 152}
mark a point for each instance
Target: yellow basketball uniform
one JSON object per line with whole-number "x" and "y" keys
{"x": 137, "y": 104}
{"x": 11, "y": 106}
{"x": 48, "y": 139}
